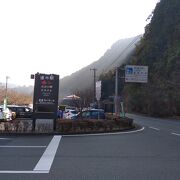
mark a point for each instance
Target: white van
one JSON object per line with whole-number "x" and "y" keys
{"x": 5, "y": 114}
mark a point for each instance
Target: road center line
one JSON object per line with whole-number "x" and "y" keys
{"x": 176, "y": 134}
{"x": 154, "y": 128}
{"x": 47, "y": 158}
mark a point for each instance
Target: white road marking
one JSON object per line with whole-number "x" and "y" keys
{"x": 47, "y": 158}
{"x": 154, "y": 128}
{"x": 176, "y": 134}
{"x": 22, "y": 146}
{"x": 45, "y": 162}
{"x": 23, "y": 172}
{"x": 105, "y": 134}
{"x": 4, "y": 138}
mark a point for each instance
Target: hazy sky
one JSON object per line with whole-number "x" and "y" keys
{"x": 62, "y": 36}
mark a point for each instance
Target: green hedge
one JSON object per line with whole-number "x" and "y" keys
{"x": 67, "y": 126}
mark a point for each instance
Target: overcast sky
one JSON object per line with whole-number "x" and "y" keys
{"x": 63, "y": 36}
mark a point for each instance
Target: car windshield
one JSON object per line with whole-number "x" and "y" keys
{"x": 73, "y": 112}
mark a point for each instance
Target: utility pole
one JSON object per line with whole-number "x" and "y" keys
{"x": 94, "y": 93}
{"x": 116, "y": 93}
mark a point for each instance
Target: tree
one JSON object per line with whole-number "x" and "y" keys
{"x": 15, "y": 97}
{"x": 160, "y": 51}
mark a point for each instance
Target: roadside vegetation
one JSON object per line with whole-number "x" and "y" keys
{"x": 159, "y": 49}
{"x": 15, "y": 97}
{"x": 66, "y": 126}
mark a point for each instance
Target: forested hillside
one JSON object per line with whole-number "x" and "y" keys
{"x": 160, "y": 50}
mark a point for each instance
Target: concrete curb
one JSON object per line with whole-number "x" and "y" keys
{"x": 137, "y": 128}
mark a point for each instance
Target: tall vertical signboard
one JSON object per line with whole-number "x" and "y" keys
{"x": 98, "y": 90}
{"x": 98, "y": 93}
{"x": 45, "y": 102}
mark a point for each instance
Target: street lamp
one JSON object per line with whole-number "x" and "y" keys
{"x": 5, "y": 99}
{"x": 7, "y": 77}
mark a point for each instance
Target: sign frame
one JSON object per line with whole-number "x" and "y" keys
{"x": 136, "y": 74}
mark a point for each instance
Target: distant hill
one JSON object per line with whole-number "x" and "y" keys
{"x": 115, "y": 56}
{"x": 28, "y": 90}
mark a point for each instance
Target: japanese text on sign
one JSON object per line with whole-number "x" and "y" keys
{"x": 137, "y": 74}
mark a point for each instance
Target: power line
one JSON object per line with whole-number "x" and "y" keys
{"x": 124, "y": 50}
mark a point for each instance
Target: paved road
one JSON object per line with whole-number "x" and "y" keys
{"x": 169, "y": 125}
{"x": 152, "y": 154}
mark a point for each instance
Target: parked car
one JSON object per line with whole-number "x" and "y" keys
{"x": 70, "y": 114}
{"x": 92, "y": 114}
{"x": 5, "y": 114}
{"x": 21, "y": 111}
{"x": 1, "y": 114}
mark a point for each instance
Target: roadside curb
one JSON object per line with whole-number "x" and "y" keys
{"x": 106, "y": 134}
{"x": 137, "y": 128}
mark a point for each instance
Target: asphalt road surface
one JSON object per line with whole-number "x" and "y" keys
{"x": 149, "y": 154}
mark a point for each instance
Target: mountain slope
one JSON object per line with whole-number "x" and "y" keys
{"x": 115, "y": 56}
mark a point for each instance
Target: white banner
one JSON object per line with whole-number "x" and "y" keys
{"x": 98, "y": 90}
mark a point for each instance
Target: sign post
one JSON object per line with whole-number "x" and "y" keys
{"x": 135, "y": 74}
{"x": 122, "y": 109}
